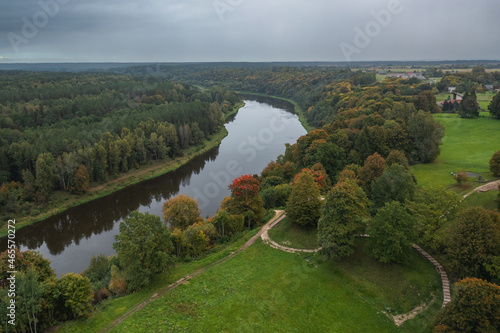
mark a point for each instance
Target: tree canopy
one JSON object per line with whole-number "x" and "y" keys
{"x": 343, "y": 217}
{"x": 303, "y": 206}
{"x": 143, "y": 248}
{"x": 181, "y": 212}
{"x": 392, "y": 233}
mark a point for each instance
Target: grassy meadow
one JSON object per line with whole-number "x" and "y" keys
{"x": 295, "y": 236}
{"x": 468, "y": 145}
{"x": 267, "y": 290}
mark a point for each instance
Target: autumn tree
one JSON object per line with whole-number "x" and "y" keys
{"x": 181, "y": 212}
{"x": 396, "y": 183}
{"x": 473, "y": 242}
{"x": 343, "y": 216}
{"x": 303, "y": 206}
{"x": 392, "y": 233}
{"x": 143, "y": 248}
{"x": 397, "y": 157}
{"x": 76, "y": 294}
{"x": 495, "y": 164}
{"x": 245, "y": 199}
{"x": 80, "y": 182}
{"x": 199, "y": 237}
{"x": 372, "y": 169}
{"x": 494, "y": 106}
{"x": 474, "y": 308}
{"x": 426, "y": 134}
{"x": 468, "y": 107}
{"x": 28, "y": 192}
{"x": 461, "y": 177}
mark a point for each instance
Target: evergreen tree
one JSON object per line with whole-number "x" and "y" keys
{"x": 469, "y": 107}
{"x": 494, "y": 106}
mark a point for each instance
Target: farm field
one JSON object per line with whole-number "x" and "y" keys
{"x": 468, "y": 145}
{"x": 263, "y": 289}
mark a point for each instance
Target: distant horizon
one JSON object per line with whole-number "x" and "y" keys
{"x": 253, "y": 62}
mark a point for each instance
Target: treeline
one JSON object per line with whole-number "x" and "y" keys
{"x": 322, "y": 91}
{"x": 476, "y": 79}
{"x": 63, "y": 131}
{"x": 304, "y": 85}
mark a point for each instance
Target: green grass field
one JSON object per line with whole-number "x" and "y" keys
{"x": 292, "y": 235}
{"x": 267, "y": 290}
{"x": 483, "y": 199}
{"x": 468, "y": 145}
{"x": 112, "y": 309}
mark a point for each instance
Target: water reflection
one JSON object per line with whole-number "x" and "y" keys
{"x": 71, "y": 238}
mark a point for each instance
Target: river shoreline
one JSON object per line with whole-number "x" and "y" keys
{"x": 125, "y": 180}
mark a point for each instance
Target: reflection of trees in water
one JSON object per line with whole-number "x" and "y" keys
{"x": 100, "y": 215}
{"x": 275, "y": 102}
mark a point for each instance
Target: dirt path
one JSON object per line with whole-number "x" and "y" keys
{"x": 398, "y": 319}
{"x": 266, "y": 239}
{"x": 185, "y": 279}
{"x": 485, "y": 188}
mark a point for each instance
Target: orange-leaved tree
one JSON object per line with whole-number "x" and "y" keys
{"x": 245, "y": 199}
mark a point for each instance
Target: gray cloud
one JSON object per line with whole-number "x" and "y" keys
{"x": 248, "y": 30}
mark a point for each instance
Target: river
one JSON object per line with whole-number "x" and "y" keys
{"x": 256, "y": 136}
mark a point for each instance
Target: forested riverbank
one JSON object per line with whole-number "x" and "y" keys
{"x": 69, "y": 138}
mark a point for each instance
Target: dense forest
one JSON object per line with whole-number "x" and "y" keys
{"x": 64, "y": 131}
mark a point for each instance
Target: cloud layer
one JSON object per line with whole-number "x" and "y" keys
{"x": 248, "y": 30}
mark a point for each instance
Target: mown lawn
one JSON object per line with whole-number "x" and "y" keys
{"x": 468, "y": 145}
{"x": 292, "y": 235}
{"x": 267, "y": 290}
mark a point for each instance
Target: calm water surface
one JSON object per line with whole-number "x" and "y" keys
{"x": 257, "y": 135}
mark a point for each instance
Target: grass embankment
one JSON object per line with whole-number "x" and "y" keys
{"x": 112, "y": 309}
{"x": 295, "y": 236}
{"x": 266, "y": 290}
{"x": 468, "y": 145}
{"x": 61, "y": 201}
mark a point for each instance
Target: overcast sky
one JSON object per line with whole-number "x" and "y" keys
{"x": 248, "y": 30}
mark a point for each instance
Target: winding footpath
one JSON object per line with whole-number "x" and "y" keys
{"x": 264, "y": 235}
{"x": 485, "y": 188}
{"x": 398, "y": 319}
